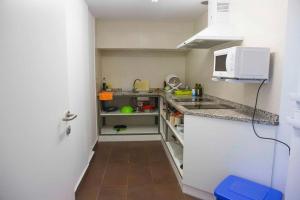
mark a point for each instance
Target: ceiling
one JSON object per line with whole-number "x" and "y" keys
{"x": 146, "y": 10}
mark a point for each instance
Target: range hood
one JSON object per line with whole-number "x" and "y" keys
{"x": 219, "y": 30}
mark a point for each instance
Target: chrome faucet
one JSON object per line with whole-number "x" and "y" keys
{"x": 133, "y": 86}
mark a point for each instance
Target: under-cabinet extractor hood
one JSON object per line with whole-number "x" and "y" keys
{"x": 219, "y": 30}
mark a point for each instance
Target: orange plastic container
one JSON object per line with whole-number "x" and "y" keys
{"x": 105, "y": 96}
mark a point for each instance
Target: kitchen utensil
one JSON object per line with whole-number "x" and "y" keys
{"x": 110, "y": 108}
{"x": 105, "y": 96}
{"x": 142, "y": 86}
{"x": 120, "y": 127}
{"x": 126, "y": 109}
{"x": 148, "y": 108}
{"x": 173, "y": 81}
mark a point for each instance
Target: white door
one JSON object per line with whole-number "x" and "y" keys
{"x": 290, "y": 115}
{"x": 79, "y": 84}
{"x": 38, "y": 160}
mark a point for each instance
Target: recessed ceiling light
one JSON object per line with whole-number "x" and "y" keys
{"x": 154, "y": 1}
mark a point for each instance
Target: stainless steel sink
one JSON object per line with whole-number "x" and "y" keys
{"x": 193, "y": 100}
{"x": 208, "y": 106}
{"x": 142, "y": 92}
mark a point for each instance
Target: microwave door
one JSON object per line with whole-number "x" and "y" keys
{"x": 220, "y": 65}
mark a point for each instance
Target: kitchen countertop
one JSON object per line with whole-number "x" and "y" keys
{"x": 155, "y": 92}
{"x": 239, "y": 113}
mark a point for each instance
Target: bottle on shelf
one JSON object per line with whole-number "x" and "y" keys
{"x": 198, "y": 90}
{"x": 104, "y": 84}
{"x": 194, "y": 92}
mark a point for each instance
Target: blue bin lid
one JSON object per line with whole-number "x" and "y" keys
{"x": 236, "y": 188}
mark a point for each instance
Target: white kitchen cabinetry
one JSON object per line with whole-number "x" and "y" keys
{"x": 141, "y": 34}
{"x": 172, "y": 141}
{"x": 215, "y": 148}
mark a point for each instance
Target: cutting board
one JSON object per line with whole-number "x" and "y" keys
{"x": 142, "y": 86}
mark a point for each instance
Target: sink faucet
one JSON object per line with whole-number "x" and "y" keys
{"x": 133, "y": 86}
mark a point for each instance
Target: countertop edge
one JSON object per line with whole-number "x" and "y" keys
{"x": 269, "y": 118}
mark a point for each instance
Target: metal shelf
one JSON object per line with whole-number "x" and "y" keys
{"x": 118, "y": 113}
{"x": 130, "y": 130}
{"x": 178, "y": 134}
{"x": 177, "y": 162}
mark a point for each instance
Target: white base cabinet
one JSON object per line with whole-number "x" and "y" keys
{"x": 216, "y": 148}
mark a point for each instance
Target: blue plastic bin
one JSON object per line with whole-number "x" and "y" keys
{"x": 236, "y": 188}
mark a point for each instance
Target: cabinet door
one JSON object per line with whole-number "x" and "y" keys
{"x": 216, "y": 148}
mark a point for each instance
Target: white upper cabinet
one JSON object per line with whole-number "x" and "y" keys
{"x": 141, "y": 34}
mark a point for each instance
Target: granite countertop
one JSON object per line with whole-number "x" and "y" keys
{"x": 153, "y": 92}
{"x": 238, "y": 113}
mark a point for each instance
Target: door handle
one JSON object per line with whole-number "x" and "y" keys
{"x": 69, "y": 116}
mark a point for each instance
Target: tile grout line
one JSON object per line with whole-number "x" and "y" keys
{"x": 127, "y": 180}
{"x": 103, "y": 170}
{"x": 129, "y": 163}
{"x": 149, "y": 167}
{"x": 103, "y": 175}
{"x": 127, "y": 177}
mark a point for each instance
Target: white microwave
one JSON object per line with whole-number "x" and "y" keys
{"x": 242, "y": 63}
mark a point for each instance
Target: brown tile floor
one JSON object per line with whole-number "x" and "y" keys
{"x": 130, "y": 171}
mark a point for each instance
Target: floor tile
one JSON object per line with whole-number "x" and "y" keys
{"x": 162, "y": 173}
{"x": 93, "y": 175}
{"x": 156, "y": 153}
{"x": 102, "y": 152}
{"x": 142, "y": 192}
{"x": 138, "y": 156}
{"x": 85, "y": 192}
{"x": 118, "y": 156}
{"x": 139, "y": 175}
{"x": 130, "y": 171}
{"x": 112, "y": 193}
{"x": 168, "y": 192}
{"x": 116, "y": 174}
{"x": 187, "y": 197}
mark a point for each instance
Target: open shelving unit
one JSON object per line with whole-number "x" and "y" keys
{"x": 173, "y": 142}
{"x": 176, "y": 158}
{"x": 130, "y": 130}
{"x": 137, "y": 124}
{"x": 118, "y": 113}
{"x": 178, "y": 134}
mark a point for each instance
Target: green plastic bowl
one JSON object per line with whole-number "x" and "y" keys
{"x": 126, "y": 109}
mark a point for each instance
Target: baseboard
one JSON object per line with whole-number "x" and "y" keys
{"x": 127, "y": 138}
{"x": 200, "y": 194}
{"x": 95, "y": 144}
{"x": 84, "y": 171}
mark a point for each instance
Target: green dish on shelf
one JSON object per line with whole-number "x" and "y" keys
{"x": 183, "y": 92}
{"x": 126, "y": 109}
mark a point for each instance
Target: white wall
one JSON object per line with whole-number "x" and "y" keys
{"x": 262, "y": 24}
{"x": 197, "y": 67}
{"x": 121, "y": 68}
{"x": 142, "y": 34}
{"x": 36, "y": 155}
